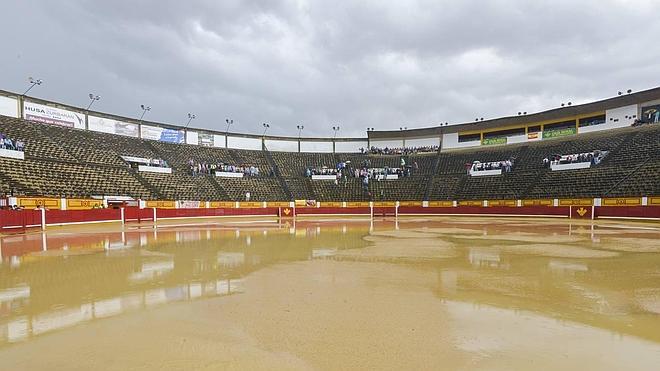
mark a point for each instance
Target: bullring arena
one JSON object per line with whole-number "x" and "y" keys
{"x": 524, "y": 242}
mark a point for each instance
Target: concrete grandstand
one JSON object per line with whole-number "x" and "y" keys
{"x": 71, "y": 158}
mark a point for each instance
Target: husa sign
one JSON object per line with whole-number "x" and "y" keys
{"x": 54, "y": 116}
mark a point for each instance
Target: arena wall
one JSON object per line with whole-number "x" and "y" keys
{"x": 585, "y": 209}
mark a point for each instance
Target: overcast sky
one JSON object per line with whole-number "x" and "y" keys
{"x": 359, "y": 64}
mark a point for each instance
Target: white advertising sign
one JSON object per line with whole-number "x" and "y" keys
{"x": 110, "y": 126}
{"x": 8, "y": 106}
{"x": 162, "y": 134}
{"x": 54, "y": 116}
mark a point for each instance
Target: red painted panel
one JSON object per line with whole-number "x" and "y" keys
{"x": 505, "y": 210}
{"x": 384, "y": 211}
{"x": 134, "y": 213}
{"x": 78, "y": 216}
{"x": 21, "y": 219}
{"x": 191, "y": 213}
{"x": 581, "y": 212}
{"x": 628, "y": 211}
{"x": 333, "y": 210}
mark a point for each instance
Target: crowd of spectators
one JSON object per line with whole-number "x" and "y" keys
{"x": 14, "y": 145}
{"x": 203, "y": 168}
{"x": 157, "y": 162}
{"x": 506, "y": 166}
{"x": 594, "y": 157}
{"x": 343, "y": 170}
{"x": 399, "y": 150}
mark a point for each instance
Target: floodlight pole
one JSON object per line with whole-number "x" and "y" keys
{"x": 229, "y": 122}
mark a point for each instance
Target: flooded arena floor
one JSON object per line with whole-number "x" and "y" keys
{"x": 457, "y": 294}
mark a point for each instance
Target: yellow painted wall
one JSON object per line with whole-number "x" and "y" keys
{"x": 627, "y": 201}
{"x": 82, "y": 204}
{"x": 32, "y": 203}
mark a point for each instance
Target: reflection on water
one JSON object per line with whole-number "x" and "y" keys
{"x": 606, "y": 276}
{"x": 50, "y": 281}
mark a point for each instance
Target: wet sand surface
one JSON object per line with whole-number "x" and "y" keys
{"x": 462, "y": 294}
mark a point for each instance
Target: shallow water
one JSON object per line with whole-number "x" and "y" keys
{"x": 469, "y": 293}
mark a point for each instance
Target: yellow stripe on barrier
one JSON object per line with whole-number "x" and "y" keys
{"x": 509, "y": 203}
{"x": 576, "y": 202}
{"x": 537, "y": 202}
{"x": 627, "y": 201}
{"x": 441, "y": 203}
{"x": 162, "y": 204}
{"x": 32, "y": 203}
{"x": 82, "y": 204}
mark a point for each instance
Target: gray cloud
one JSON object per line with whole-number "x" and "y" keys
{"x": 382, "y": 64}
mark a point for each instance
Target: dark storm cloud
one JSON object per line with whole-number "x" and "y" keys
{"x": 361, "y": 64}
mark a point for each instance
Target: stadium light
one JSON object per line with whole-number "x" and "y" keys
{"x": 371, "y": 129}
{"x": 33, "y": 82}
{"x": 266, "y": 126}
{"x": 629, "y": 91}
{"x": 300, "y": 128}
{"x": 403, "y": 128}
{"x": 191, "y": 116}
{"x": 144, "y": 110}
{"x": 229, "y": 122}
{"x": 93, "y": 98}
{"x": 620, "y": 93}
{"x": 336, "y": 129}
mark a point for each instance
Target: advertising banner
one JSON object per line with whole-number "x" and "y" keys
{"x": 189, "y": 204}
{"x": 493, "y": 141}
{"x": 54, "y": 116}
{"x": 8, "y": 106}
{"x": 206, "y": 140}
{"x": 110, "y": 126}
{"x": 162, "y": 134}
{"x": 558, "y": 133}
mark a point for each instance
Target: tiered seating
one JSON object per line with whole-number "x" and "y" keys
{"x": 592, "y": 182}
{"x": 182, "y": 186}
{"x": 329, "y": 191}
{"x": 403, "y": 189}
{"x": 82, "y": 144}
{"x": 252, "y": 158}
{"x": 301, "y": 188}
{"x": 36, "y": 143}
{"x": 445, "y": 187}
{"x": 56, "y": 178}
{"x": 295, "y": 164}
{"x": 76, "y": 163}
{"x": 261, "y": 189}
{"x": 178, "y": 155}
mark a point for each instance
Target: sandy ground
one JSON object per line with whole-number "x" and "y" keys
{"x": 481, "y": 298}
{"x": 332, "y": 315}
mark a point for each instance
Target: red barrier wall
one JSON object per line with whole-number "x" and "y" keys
{"x": 628, "y": 211}
{"x": 19, "y": 219}
{"x": 191, "y": 213}
{"x": 333, "y": 210}
{"x": 384, "y": 211}
{"x": 505, "y": 210}
{"x": 81, "y": 216}
{"x": 134, "y": 213}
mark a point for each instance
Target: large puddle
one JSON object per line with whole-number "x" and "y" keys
{"x": 470, "y": 293}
